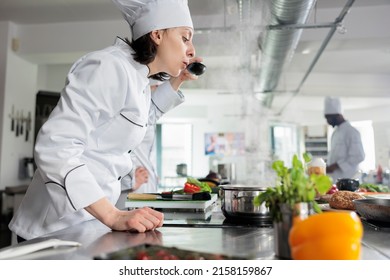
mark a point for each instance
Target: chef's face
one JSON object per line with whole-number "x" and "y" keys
{"x": 175, "y": 49}
{"x": 332, "y": 119}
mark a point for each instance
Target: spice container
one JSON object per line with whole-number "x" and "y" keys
{"x": 316, "y": 166}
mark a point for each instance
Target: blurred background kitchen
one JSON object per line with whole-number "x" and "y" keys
{"x": 269, "y": 66}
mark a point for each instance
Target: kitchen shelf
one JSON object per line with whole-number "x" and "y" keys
{"x": 316, "y": 141}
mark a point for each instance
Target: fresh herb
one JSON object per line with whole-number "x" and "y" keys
{"x": 293, "y": 186}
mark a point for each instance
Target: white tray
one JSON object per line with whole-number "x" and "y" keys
{"x": 173, "y": 204}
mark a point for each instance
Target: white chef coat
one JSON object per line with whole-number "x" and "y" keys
{"x": 145, "y": 155}
{"x": 347, "y": 150}
{"x": 84, "y": 149}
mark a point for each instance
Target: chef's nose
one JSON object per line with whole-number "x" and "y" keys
{"x": 191, "y": 51}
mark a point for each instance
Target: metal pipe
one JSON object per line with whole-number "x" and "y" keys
{"x": 330, "y": 34}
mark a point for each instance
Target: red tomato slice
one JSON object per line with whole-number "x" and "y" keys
{"x": 190, "y": 188}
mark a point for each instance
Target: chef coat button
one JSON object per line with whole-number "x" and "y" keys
{"x": 129, "y": 151}
{"x": 120, "y": 177}
{"x": 146, "y": 124}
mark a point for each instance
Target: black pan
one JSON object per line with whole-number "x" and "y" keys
{"x": 373, "y": 209}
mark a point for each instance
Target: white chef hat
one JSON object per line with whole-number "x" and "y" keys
{"x": 332, "y": 106}
{"x": 144, "y": 16}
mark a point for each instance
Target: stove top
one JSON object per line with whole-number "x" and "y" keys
{"x": 216, "y": 220}
{"x": 380, "y": 226}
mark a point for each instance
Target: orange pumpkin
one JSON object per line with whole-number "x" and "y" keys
{"x": 327, "y": 236}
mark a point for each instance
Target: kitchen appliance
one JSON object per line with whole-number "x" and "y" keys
{"x": 169, "y": 196}
{"x": 196, "y": 205}
{"x": 227, "y": 172}
{"x": 181, "y": 169}
{"x": 237, "y": 204}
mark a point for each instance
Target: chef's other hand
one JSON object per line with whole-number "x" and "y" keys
{"x": 138, "y": 220}
{"x": 141, "y": 176}
{"x": 185, "y": 75}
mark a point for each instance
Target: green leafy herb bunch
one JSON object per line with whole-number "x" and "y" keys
{"x": 293, "y": 186}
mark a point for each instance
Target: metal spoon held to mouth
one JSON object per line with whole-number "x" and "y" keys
{"x": 196, "y": 68}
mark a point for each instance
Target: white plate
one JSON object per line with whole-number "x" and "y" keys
{"x": 378, "y": 195}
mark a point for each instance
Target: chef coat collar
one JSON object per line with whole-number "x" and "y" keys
{"x": 142, "y": 70}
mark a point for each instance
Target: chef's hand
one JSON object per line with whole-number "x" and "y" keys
{"x": 331, "y": 168}
{"x": 138, "y": 220}
{"x": 185, "y": 75}
{"x": 141, "y": 176}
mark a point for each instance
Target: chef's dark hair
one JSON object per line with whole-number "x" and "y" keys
{"x": 145, "y": 52}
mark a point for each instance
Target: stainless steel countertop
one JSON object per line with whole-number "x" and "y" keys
{"x": 209, "y": 237}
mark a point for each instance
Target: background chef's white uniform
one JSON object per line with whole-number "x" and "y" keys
{"x": 143, "y": 156}
{"x": 347, "y": 150}
{"x": 84, "y": 149}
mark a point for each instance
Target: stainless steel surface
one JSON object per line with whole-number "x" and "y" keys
{"x": 237, "y": 202}
{"x": 248, "y": 242}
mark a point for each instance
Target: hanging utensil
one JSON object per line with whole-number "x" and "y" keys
{"x": 28, "y": 125}
{"x": 17, "y": 124}
{"x": 21, "y": 122}
{"x": 13, "y": 118}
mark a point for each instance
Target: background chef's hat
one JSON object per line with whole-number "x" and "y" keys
{"x": 332, "y": 106}
{"x": 144, "y": 16}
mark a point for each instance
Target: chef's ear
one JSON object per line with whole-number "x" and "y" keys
{"x": 156, "y": 36}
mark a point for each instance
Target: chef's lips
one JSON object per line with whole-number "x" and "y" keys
{"x": 196, "y": 68}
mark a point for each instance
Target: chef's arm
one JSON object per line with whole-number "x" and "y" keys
{"x": 140, "y": 220}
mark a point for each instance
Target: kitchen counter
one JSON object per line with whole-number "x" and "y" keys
{"x": 211, "y": 236}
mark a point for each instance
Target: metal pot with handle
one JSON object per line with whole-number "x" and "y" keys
{"x": 237, "y": 203}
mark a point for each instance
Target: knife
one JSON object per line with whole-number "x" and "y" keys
{"x": 153, "y": 196}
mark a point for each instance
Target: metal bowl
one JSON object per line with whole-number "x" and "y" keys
{"x": 237, "y": 203}
{"x": 373, "y": 209}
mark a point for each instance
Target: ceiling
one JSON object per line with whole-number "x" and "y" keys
{"x": 355, "y": 64}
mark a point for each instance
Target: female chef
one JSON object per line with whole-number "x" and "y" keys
{"x": 84, "y": 149}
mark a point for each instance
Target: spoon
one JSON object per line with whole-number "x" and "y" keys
{"x": 196, "y": 68}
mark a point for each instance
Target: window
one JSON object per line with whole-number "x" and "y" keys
{"x": 174, "y": 147}
{"x": 284, "y": 142}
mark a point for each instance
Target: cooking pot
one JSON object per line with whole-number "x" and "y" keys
{"x": 373, "y": 209}
{"x": 237, "y": 204}
{"x": 347, "y": 184}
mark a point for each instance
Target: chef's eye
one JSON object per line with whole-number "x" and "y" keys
{"x": 185, "y": 40}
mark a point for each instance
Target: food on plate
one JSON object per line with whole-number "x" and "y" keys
{"x": 327, "y": 236}
{"x": 157, "y": 252}
{"x": 343, "y": 200}
{"x": 367, "y": 187}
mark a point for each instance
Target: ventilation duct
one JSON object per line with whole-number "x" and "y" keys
{"x": 278, "y": 45}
